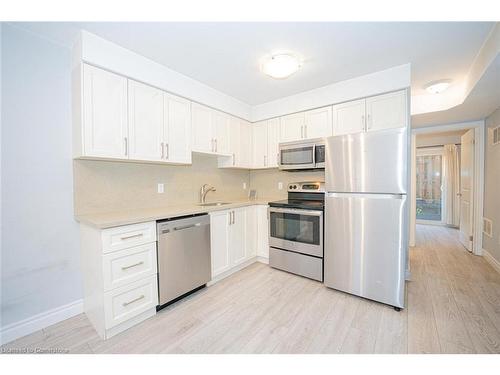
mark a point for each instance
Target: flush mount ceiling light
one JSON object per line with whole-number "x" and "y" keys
{"x": 438, "y": 87}
{"x": 280, "y": 66}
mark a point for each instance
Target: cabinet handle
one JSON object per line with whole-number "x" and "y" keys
{"x": 125, "y": 142}
{"x": 215, "y": 144}
{"x": 264, "y": 160}
{"x": 132, "y": 236}
{"x": 363, "y": 122}
{"x": 168, "y": 151}
{"x": 234, "y": 159}
{"x": 301, "y": 131}
{"x": 134, "y": 300}
{"x": 162, "y": 150}
{"x": 305, "y": 131}
{"x": 132, "y": 265}
{"x": 233, "y": 217}
{"x": 277, "y": 158}
{"x": 230, "y": 217}
{"x": 368, "y": 121}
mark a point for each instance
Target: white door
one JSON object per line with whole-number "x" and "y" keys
{"x": 237, "y": 236}
{"x": 292, "y": 127}
{"x": 146, "y": 122}
{"x": 245, "y": 143}
{"x": 177, "y": 146}
{"x": 105, "y": 132}
{"x": 349, "y": 118}
{"x": 386, "y": 111}
{"x": 466, "y": 190}
{"x": 318, "y": 123}
{"x": 221, "y": 127}
{"x": 201, "y": 122}
{"x": 259, "y": 141}
{"x": 219, "y": 242}
{"x": 273, "y": 139}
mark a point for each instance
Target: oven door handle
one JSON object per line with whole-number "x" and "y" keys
{"x": 297, "y": 211}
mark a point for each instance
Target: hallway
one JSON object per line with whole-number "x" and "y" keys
{"x": 453, "y": 298}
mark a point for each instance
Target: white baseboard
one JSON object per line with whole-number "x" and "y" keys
{"x": 262, "y": 259}
{"x": 35, "y": 323}
{"x": 489, "y": 258}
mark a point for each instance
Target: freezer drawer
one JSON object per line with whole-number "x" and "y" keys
{"x": 300, "y": 264}
{"x": 373, "y": 162}
{"x": 365, "y": 245}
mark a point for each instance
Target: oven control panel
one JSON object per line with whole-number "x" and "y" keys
{"x": 307, "y": 187}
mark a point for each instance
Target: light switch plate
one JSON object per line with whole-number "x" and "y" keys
{"x": 280, "y": 185}
{"x": 161, "y": 188}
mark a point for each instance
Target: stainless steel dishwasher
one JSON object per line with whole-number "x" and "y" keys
{"x": 183, "y": 256}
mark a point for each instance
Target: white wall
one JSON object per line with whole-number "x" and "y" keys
{"x": 40, "y": 241}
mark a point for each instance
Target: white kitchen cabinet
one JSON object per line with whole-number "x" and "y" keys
{"x": 119, "y": 276}
{"x": 386, "y": 111}
{"x": 177, "y": 133}
{"x": 292, "y": 127}
{"x": 221, "y": 132}
{"x": 219, "y": 241}
{"x": 251, "y": 232}
{"x": 102, "y": 112}
{"x": 349, "y": 118}
{"x": 259, "y": 143}
{"x": 318, "y": 123}
{"x": 262, "y": 233}
{"x": 273, "y": 140}
{"x": 245, "y": 144}
{"x": 146, "y": 122}
{"x": 201, "y": 123}
{"x": 237, "y": 236}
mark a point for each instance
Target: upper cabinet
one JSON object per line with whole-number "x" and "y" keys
{"x": 103, "y": 109}
{"x": 316, "y": 123}
{"x": 273, "y": 141}
{"x": 371, "y": 114}
{"x": 265, "y": 140}
{"x": 386, "y": 111}
{"x": 239, "y": 153}
{"x": 210, "y": 130}
{"x": 118, "y": 118}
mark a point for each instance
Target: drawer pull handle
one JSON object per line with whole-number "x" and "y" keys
{"x": 132, "y": 236}
{"x": 134, "y": 300}
{"x": 132, "y": 265}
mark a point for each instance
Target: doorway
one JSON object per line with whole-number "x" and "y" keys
{"x": 429, "y": 186}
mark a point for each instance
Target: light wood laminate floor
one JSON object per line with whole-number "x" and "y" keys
{"x": 453, "y": 306}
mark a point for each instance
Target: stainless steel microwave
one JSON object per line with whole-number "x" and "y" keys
{"x": 299, "y": 155}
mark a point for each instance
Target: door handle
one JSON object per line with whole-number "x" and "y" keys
{"x": 168, "y": 151}
{"x": 162, "y": 150}
{"x": 301, "y": 131}
{"x": 125, "y": 140}
{"x": 187, "y": 226}
{"x": 215, "y": 144}
{"x": 305, "y": 131}
{"x": 265, "y": 160}
{"x": 234, "y": 159}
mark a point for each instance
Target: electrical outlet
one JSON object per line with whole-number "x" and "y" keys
{"x": 280, "y": 185}
{"x": 161, "y": 188}
{"x": 244, "y": 186}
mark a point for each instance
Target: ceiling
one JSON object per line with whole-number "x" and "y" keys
{"x": 226, "y": 56}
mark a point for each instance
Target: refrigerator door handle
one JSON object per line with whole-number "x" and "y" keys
{"x": 366, "y": 195}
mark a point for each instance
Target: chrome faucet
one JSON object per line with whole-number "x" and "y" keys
{"x": 204, "y": 191}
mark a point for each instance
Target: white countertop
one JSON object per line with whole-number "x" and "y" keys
{"x": 115, "y": 219}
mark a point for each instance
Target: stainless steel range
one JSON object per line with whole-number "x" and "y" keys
{"x": 296, "y": 230}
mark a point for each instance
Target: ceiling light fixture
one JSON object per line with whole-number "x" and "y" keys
{"x": 438, "y": 87}
{"x": 280, "y": 66}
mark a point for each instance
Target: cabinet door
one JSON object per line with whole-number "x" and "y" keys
{"x": 221, "y": 128}
{"x": 201, "y": 122}
{"x": 178, "y": 129}
{"x": 146, "y": 122}
{"x": 273, "y": 139}
{"x": 349, "y": 118}
{"x": 259, "y": 144}
{"x": 105, "y": 132}
{"x": 318, "y": 123}
{"x": 262, "y": 232}
{"x": 237, "y": 236}
{"x": 292, "y": 127}
{"x": 234, "y": 141}
{"x": 245, "y": 144}
{"x": 219, "y": 242}
{"x": 251, "y": 232}
{"x": 386, "y": 111}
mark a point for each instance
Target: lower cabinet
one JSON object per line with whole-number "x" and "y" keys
{"x": 119, "y": 276}
{"x": 234, "y": 237}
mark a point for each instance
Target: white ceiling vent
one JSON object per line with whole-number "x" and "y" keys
{"x": 496, "y": 135}
{"x": 487, "y": 227}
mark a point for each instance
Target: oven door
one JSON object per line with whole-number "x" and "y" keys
{"x": 296, "y": 230}
{"x": 297, "y": 156}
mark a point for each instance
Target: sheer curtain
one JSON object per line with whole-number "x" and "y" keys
{"x": 451, "y": 185}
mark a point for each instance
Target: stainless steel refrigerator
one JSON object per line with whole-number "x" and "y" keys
{"x": 366, "y": 214}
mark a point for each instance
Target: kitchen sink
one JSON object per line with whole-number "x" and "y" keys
{"x": 213, "y": 204}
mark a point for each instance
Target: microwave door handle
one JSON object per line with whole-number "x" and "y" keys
{"x": 314, "y": 155}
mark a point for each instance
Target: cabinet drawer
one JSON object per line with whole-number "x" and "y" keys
{"x": 119, "y": 238}
{"x": 133, "y": 299}
{"x": 125, "y": 266}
